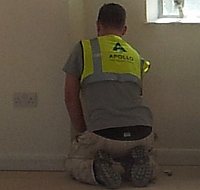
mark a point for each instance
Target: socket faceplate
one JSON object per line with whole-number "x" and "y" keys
{"x": 25, "y": 99}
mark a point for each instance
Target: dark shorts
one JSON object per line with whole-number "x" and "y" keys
{"x": 129, "y": 133}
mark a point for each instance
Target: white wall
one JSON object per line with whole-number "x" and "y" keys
{"x": 36, "y": 38}
{"x": 34, "y": 46}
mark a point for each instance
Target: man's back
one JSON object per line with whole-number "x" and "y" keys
{"x": 113, "y": 104}
{"x": 109, "y": 104}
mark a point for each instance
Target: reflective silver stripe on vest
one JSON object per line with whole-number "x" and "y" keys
{"x": 98, "y": 75}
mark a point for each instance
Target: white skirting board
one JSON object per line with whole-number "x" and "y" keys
{"x": 179, "y": 157}
{"x": 32, "y": 162}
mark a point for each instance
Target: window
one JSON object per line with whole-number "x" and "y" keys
{"x": 180, "y": 8}
{"x": 185, "y": 11}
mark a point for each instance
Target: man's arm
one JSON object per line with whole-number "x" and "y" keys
{"x": 73, "y": 103}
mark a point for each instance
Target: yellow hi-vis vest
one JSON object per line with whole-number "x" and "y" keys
{"x": 111, "y": 58}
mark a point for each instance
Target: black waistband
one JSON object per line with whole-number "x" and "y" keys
{"x": 129, "y": 133}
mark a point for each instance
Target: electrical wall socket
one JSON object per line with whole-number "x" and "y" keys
{"x": 25, "y": 99}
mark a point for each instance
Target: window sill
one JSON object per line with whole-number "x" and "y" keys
{"x": 176, "y": 20}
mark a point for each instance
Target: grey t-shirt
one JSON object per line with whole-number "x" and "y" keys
{"x": 109, "y": 104}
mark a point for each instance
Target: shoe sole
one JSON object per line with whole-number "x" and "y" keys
{"x": 105, "y": 173}
{"x": 141, "y": 172}
{"x": 141, "y": 175}
{"x": 139, "y": 155}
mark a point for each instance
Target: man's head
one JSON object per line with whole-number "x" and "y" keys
{"x": 111, "y": 20}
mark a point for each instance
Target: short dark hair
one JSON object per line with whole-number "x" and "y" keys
{"x": 112, "y": 15}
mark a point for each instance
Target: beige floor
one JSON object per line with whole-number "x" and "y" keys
{"x": 183, "y": 178}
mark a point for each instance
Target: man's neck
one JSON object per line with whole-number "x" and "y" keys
{"x": 106, "y": 32}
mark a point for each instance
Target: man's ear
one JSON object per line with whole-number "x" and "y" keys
{"x": 124, "y": 29}
{"x": 98, "y": 27}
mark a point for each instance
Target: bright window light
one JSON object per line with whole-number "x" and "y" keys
{"x": 183, "y": 11}
{"x": 180, "y": 8}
